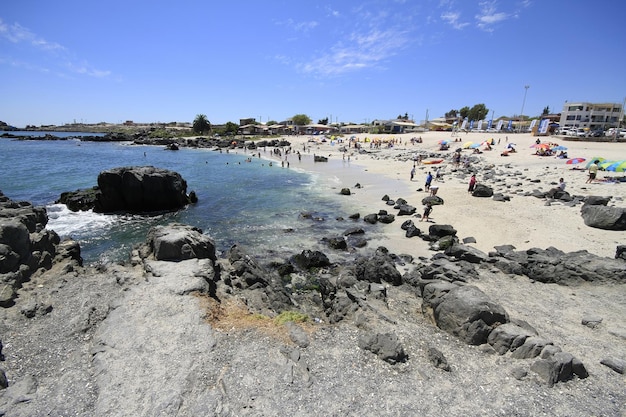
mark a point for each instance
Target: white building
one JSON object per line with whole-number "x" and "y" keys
{"x": 592, "y": 116}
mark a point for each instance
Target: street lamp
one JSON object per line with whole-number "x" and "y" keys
{"x": 521, "y": 115}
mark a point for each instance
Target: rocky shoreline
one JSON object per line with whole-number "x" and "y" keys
{"x": 179, "y": 331}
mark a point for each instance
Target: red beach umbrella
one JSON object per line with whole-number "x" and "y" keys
{"x": 574, "y": 161}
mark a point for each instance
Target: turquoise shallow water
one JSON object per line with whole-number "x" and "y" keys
{"x": 248, "y": 203}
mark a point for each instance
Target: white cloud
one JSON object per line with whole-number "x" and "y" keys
{"x": 18, "y": 34}
{"x": 453, "y": 19}
{"x": 361, "y": 50}
{"x": 15, "y": 33}
{"x": 489, "y": 15}
{"x": 299, "y": 26}
{"x": 332, "y": 12}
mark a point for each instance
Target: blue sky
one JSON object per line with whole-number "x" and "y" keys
{"x": 352, "y": 61}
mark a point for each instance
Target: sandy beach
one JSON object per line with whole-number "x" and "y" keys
{"x": 524, "y": 221}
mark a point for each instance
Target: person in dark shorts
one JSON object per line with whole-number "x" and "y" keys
{"x": 427, "y": 210}
{"x": 429, "y": 179}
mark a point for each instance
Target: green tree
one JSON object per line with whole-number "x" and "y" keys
{"x": 301, "y": 119}
{"x": 546, "y": 110}
{"x": 464, "y": 112}
{"x": 451, "y": 114}
{"x": 478, "y": 112}
{"x": 201, "y": 124}
{"x": 272, "y": 122}
{"x": 323, "y": 121}
{"x": 230, "y": 128}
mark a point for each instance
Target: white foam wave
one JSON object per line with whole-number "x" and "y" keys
{"x": 67, "y": 223}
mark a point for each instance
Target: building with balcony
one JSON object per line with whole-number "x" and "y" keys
{"x": 592, "y": 116}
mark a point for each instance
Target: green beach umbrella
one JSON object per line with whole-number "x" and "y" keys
{"x": 595, "y": 158}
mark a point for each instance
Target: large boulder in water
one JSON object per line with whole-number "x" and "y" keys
{"x": 140, "y": 190}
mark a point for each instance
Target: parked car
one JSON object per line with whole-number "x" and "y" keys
{"x": 612, "y": 132}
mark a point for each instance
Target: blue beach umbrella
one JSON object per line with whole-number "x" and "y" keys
{"x": 619, "y": 166}
{"x": 559, "y": 148}
{"x": 605, "y": 164}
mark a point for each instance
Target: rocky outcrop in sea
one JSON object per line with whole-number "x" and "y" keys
{"x": 137, "y": 189}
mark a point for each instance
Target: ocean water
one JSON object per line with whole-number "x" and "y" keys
{"x": 247, "y": 203}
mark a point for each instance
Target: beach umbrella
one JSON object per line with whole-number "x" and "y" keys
{"x": 575, "y": 161}
{"x": 443, "y": 142}
{"x": 619, "y": 166}
{"x": 595, "y": 158}
{"x": 606, "y": 163}
{"x": 559, "y": 148}
{"x": 540, "y": 145}
{"x": 475, "y": 145}
{"x": 466, "y": 145}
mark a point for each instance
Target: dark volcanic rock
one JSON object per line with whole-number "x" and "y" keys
{"x": 466, "y": 253}
{"x": 406, "y": 210}
{"x": 433, "y": 200}
{"x": 371, "y": 218}
{"x": 379, "y": 268}
{"x": 436, "y": 357}
{"x": 25, "y": 246}
{"x": 79, "y": 200}
{"x": 308, "y": 259}
{"x": 559, "y": 367}
{"x": 467, "y": 312}
{"x": 176, "y": 242}
{"x": 441, "y": 230}
{"x": 140, "y": 189}
{"x": 603, "y": 217}
{"x": 482, "y": 190}
{"x": 386, "y": 346}
{"x": 596, "y": 200}
{"x": 554, "y": 266}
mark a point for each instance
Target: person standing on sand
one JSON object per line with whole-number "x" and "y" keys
{"x": 429, "y": 179}
{"x": 472, "y": 184}
{"x": 427, "y": 210}
{"x": 593, "y": 171}
{"x": 412, "y": 172}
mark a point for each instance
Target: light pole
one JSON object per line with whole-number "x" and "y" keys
{"x": 521, "y": 115}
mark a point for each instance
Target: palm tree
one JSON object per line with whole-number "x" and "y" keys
{"x": 201, "y": 124}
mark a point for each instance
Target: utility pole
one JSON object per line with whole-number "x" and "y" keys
{"x": 521, "y": 115}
